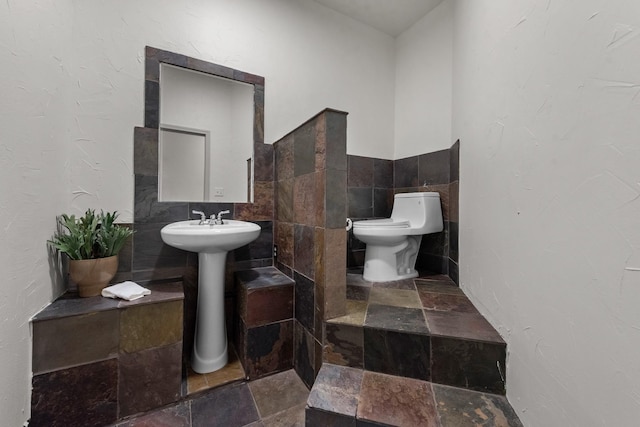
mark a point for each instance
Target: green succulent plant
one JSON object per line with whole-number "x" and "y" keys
{"x": 91, "y": 236}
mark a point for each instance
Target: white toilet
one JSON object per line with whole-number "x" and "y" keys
{"x": 393, "y": 243}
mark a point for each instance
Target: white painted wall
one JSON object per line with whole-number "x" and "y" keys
{"x": 310, "y": 56}
{"x": 72, "y": 92}
{"x": 547, "y": 107}
{"x": 34, "y": 146}
{"x": 423, "y": 79}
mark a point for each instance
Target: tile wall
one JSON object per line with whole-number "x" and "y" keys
{"x": 372, "y": 184}
{"x": 95, "y": 360}
{"x": 310, "y": 236}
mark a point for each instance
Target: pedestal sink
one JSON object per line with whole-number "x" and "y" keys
{"x": 212, "y": 242}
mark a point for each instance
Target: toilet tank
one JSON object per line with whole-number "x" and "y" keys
{"x": 422, "y": 210}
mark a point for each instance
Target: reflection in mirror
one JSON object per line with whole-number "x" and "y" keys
{"x": 205, "y": 137}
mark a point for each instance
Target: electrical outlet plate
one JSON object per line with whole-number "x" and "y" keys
{"x": 218, "y": 192}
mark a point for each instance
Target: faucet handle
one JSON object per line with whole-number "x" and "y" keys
{"x": 203, "y": 217}
{"x": 225, "y": 212}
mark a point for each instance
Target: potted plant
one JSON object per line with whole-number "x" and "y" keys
{"x": 92, "y": 243}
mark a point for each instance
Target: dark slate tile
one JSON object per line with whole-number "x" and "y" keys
{"x": 147, "y": 209}
{"x": 140, "y": 387}
{"x": 258, "y": 113}
{"x": 145, "y": 151}
{"x": 290, "y": 417}
{"x": 316, "y": 417}
{"x": 397, "y": 401}
{"x": 304, "y": 250}
{"x": 407, "y": 284}
{"x": 284, "y": 243}
{"x": 382, "y": 202}
{"x": 230, "y": 406}
{"x": 167, "y": 56}
{"x": 151, "y": 252}
{"x": 304, "y": 199}
{"x": 178, "y": 415}
{"x": 284, "y": 158}
{"x": 359, "y": 171}
{"x": 453, "y": 241}
{"x": 454, "y": 202}
{"x": 320, "y": 132}
{"x": 267, "y": 305}
{"x": 269, "y": 348}
{"x": 443, "y": 285}
{"x": 150, "y": 325}
{"x": 397, "y": 353}
{"x": 464, "y": 408}
{"x": 445, "y": 302}
{"x": 335, "y": 199}
{"x": 396, "y": 319}
{"x": 434, "y": 168}
{"x": 304, "y": 150}
{"x": 69, "y": 341}
{"x": 260, "y": 248}
{"x": 304, "y": 354}
{"x": 262, "y": 207}
{"x": 263, "y": 162}
{"x": 453, "y": 271}
{"x": 70, "y": 304}
{"x": 284, "y": 201}
{"x": 344, "y": 345}
{"x": 336, "y": 390}
{"x": 151, "y": 104}
{"x": 406, "y": 172}
{"x": 360, "y": 201}
{"x": 454, "y": 161}
{"x": 336, "y": 140}
{"x": 469, "y": 364}
{"x": 264, "y": 277}
{"x": 358, "y": 293}
{"x": 304, "y": 301}
{"x": 278, "y": 392}
{"x": 85, "y": 395}
{"x": 396, "y": 297}
{"x": 472, "y": 326}
{"x": 383, "y": 173}
{"x": 436, "y": 243}
{"x": 431, "y": 262}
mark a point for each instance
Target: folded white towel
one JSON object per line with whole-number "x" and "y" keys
{"x": 125, "y": 290}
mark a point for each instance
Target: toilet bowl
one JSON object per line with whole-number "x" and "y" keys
{"x": 393, "y": 243}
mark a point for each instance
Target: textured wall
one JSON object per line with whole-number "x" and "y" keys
{"x": 546, "y": 106}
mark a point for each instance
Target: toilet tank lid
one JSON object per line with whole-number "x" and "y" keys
{"x": 419, "y": 194}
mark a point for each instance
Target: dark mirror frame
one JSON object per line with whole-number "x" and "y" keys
{"x": 151, "y": 259}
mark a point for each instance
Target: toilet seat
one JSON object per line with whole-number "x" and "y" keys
{"x": 386, "y": 222}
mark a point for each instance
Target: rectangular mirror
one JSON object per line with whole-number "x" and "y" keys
{"x": 205, "y": 137}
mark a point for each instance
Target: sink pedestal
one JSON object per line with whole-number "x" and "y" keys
{"x": 212, "y": 241}
{"x": 210, "y": 343}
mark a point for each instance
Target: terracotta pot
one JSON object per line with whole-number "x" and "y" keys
{"x": 93, "y": 275}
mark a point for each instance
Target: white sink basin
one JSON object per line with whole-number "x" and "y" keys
{"x": 193, "y": 237}
{"x": 212, "y": 242}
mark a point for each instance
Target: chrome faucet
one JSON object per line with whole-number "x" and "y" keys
{"x": 203, "y": 217}
{"x": 218, "y": 220}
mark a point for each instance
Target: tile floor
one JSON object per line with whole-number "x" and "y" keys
{"x": 343, "y": 396}
{"x": 275, "y": 401}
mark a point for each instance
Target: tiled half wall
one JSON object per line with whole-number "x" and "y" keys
{"x": 372, "y": 183}
{"x": 309, "y": 231}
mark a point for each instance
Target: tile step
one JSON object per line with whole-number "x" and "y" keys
{"x": 424, "y": 328}
{"x": 345, "y": 396}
